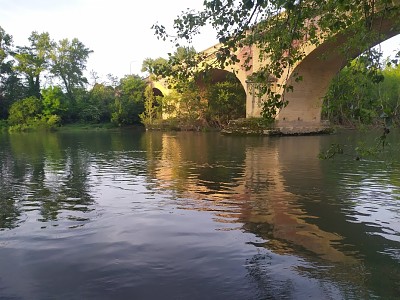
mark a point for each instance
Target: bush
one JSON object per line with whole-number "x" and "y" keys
{"x": 24, "y": 111}
{"x": 3, "y": 125}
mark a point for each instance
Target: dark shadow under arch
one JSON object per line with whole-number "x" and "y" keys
{"x": 157, "y": 92}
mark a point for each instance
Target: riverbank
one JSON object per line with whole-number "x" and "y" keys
{"x": 4, "y": 127}
{"x": 244, "y": 126}
{"x": 99, "y": 126}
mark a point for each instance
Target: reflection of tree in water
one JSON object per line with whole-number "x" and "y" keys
{"x": 193, "y": 166}
{"x": 9, "y": 211}
{"x": 249, "y": 187}
{"x": 9, "y": 188}
{"x": 311, "y": 217}
{"x": 69, "y": 192}
{"x": 40, "y": 177}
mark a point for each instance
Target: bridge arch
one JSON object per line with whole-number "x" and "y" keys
{"x": 318, "y": 69}
{"x": 232, "y": 103}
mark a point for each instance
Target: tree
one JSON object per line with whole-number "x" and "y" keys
{"x": 54, "y": 102}
{"x": 357, "y": 96}
{"x": 33, "y": 60}
{"x": 11, "y": 88}
{"x": 129, "y": 102}
{"x": 68, "y": 61}
{"x": 276, "y": 27}
{"x": 151, "y": 107}
{"x": 154, "y": 66}
{"x": 101, "y": 99}
{"x": 5, "y": 47}
{"x": 25, "y": 111}
{"x": 226, "y": 101}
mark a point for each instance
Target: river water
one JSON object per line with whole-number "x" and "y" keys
{"x": 152, "y": 215}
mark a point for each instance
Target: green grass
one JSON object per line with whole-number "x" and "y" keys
{"x": 86, "y": 126}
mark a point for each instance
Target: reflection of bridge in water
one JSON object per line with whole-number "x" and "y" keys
{"x": 254, "y": 193}
{"x": 318, "y": 67}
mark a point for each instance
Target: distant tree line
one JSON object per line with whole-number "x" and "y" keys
{"x": 43, "y": 85}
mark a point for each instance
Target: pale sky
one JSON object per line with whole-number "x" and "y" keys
{"x": 118, "y": 31}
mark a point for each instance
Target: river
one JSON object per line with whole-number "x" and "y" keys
{"x": 150, "y": 215}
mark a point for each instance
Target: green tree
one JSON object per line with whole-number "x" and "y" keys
{"x": 388, "y": 93}
{"x": 25, "y": 111}
{"x": 33, "y": 60}
{"x": 129, "y": 102}
{"x": 226, "y": 101}
{"x": 192, "y": 105}
{"x": 359, "y": 95}
{"x": 6, "y": 42}
{"x": 151, "y": 107}
{"x": 154, "y": 66}
{"x": 11, "y": 87}
{"x": 101, "y": 100}
{"x": 68, "y": 61}
{"x": 54, "y": 102}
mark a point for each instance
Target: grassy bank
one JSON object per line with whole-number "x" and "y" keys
{"x": 4, "y": 127}
{"x": 85, "y": 126}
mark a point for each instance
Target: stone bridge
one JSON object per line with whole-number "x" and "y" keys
{"x": 319, "y": 66}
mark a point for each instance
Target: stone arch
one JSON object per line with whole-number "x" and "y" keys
{"x": 318, "y": 69}
{"x": 214, "y": 76}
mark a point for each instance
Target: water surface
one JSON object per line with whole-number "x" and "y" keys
{"x": 151, "y": 215}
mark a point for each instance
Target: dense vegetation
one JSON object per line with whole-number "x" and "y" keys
{"x": 194, "y": 107}
{"x": 355, "y": 97}
{"x": 43, "y": 86}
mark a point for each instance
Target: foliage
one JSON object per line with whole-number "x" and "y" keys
{"x": 101, "y": 99}
{"x": 154, "y": 66}
{"x": 170, "y": 104}
{"x": 226, "y": 101}
{"x": 54, "y": 102}
{"x": 5, "y": 46}
{"x": 192, "y": 103}
{"x": 3, "y": 125}
{"x": 129, "y": 103}
{"x": 26, "y": 105}
{"x": 151, "y": 107}
{"x": 169, "y": 69}
{"x": 24, "y": 111}
{"x": 276, "y": 27}
{"x": 11, "y": 88}
{"x": 68, "y": 60}
{"x": 33, "y": 60}
{"x": 357, "y": 96}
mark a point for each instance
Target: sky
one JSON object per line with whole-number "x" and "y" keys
{"x": 118, "y": 31}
